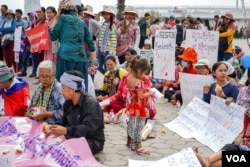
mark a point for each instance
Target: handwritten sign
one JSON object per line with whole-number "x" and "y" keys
{"x": 7, "y": 153}
{"x": 32, "y": 5}
{"x": 185, "y": 157}
{"x": 193, "y": 117}
{"x": 223, "y": 125}
{"x": 192, "y": 85}
{"x": 164, "y": 54}
{"x": 148, "y": 54}
{"x": 38, "y": 38}
{"x": 213, "y": 124}
{"x": 205, "y": 43}
{"x": 39, "y": 150}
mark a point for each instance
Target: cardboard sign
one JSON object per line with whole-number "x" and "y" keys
{"x": 32, "y": 5}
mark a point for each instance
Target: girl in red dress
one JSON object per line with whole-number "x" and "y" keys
{"x": 137, "y": 98}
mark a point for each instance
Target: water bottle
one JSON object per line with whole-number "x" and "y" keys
{"x": 111, "y": 117}
{"x": 178, "y": 105}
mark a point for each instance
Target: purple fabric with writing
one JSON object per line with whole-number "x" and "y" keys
{"x": 42, "y": 151}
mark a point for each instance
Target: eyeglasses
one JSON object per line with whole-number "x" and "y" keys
{"x": 45, "y": 77}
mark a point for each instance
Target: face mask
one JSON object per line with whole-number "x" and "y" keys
{"x": 184, "y": 63}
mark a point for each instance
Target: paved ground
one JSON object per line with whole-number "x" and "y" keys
{"x": 116, "y": 154}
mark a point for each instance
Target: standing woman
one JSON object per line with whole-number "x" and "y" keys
{"x": 7, "y": 30}
{"x": 107, "y": 40}
{"x": 53, "y": 45}
{"x": 38, "y": 56}
{"x": 71, "y": 32}
{"x": 128, "y": 33}
{"x": 222, "y": 87}
{"x": 226, "y": 29}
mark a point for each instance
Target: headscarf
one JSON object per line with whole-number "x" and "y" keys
{"x": 72, "y": 81}
{"x": 66, "y": 5}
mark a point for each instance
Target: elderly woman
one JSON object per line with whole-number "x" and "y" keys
{"x": 14, "y": 93}
{"x": 72, "y": 32}
{"x": 7, "y": 30}
{"x": 128, "y": 33}
{"x": 112, "y": 78}
{"x": 48, "y": 94}
{"x": 82, "y": 114}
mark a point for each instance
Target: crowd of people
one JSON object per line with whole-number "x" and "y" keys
{"x": 79, "y": 46}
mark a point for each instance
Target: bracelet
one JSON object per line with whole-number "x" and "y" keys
{"x": 94, "y": 62}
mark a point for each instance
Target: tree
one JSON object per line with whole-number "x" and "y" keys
{"x": 120, "y": 9}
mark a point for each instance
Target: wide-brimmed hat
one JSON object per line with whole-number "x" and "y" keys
{"x": 9, "y": 11}
{"x": 5, "y": 73}
{"x": 189, "y": 54}
{"x": 106, "y": 9}
{"x": 89, "y": 11}
{"x": 66, "y": 5}
{"x": 228, "y": 15}
{"x": 130, "y": 9}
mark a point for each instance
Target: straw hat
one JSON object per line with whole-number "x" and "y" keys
{"x": 106, "y": 9}
{"x": 228, "y": 15}
{"x": 66, "y": 5}
{"x": 189, "y": 54}
{"x": 5, "y": 73}
{"x": 130, "y": 9}
{"x": 89, "y": 11}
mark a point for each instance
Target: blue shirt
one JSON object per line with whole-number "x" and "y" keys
{"x": 230, "y": 90}
{"x": 55, "y": 105}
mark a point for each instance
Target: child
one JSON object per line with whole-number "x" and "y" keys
{"x": 107, "y": 38}
{"x": 138, "y": 95}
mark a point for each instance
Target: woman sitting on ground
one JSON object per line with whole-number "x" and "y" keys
{"x": 222, "y": 87}
{"x": 112, "y": 78}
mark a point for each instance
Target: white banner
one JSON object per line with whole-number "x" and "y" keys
{"x": 17, "y": 40}
{"x": 213, "y": 124}
{"x": 148, "y": 54}
{"x": 164, "y": 54}
{"x": 205, "y": 43}
{"x": 192, "y": 85}
{"x": 32, "y": 6}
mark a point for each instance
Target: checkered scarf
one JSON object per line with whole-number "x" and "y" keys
{"x": 40, "y": 99}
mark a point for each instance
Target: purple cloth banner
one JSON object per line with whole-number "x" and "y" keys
{"x": 39, "y": 150}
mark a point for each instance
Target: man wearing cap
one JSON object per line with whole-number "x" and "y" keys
{"x": 82, "y": 114}
{"x": 226, "y": 30}
{"x": 144, "y": 24}
{"x": 14, "y": 93}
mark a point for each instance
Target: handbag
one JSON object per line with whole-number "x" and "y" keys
{"x": 120, "y": 50}
{"x": 5, "y": 42}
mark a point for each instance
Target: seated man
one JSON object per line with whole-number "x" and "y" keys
{"x": 48, "y": 94}
{"x": 14, "y": 93}
{"x": 82, "y": 114}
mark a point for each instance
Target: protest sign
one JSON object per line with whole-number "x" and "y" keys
{"x": 204, "y": 42}
{"x": 164, "y": 54}
{"x": 148, "y": 54}
{"x": 223, "y": 125}
{"x": 193, "y": 117}
{"x": 39, "y": 150}
{"x": 32, "y": 6}
{"x": 17, "y": 39}
{"x": 213, "y": 124}
{"x": 7, "y": 153}
{"x": 192, "y": 85}
{"x": 76, "y": 2}
{"x": 38, "y": 38}
{"x": 184, "y": 158}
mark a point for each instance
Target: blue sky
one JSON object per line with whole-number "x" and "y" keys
{"x": 97, "y": 4}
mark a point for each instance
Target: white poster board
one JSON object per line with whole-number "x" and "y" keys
{"x": 76, "y": 2}
{"x": 204, "y": 42}
{"x": 192, "y": 85}
{"x": 17, "y": 40}
{"x": 32, "y": 6}
{"x": 184, "y": 158}
{"x": 148, "y": 54}
{"x": 213, "y": 124}
{"x": 7, "y": 153}
{"x": 223, "y": 125}
{"x": 164, "y": 54}
{"x": 193, "y": 117}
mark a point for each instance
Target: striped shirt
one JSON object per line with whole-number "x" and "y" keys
{"x": 112, "y": 38}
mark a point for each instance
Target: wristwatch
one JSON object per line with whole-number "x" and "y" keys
{"x": 94, "y": 62}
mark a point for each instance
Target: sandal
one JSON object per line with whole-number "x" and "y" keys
{"x": 142, "y": 151}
